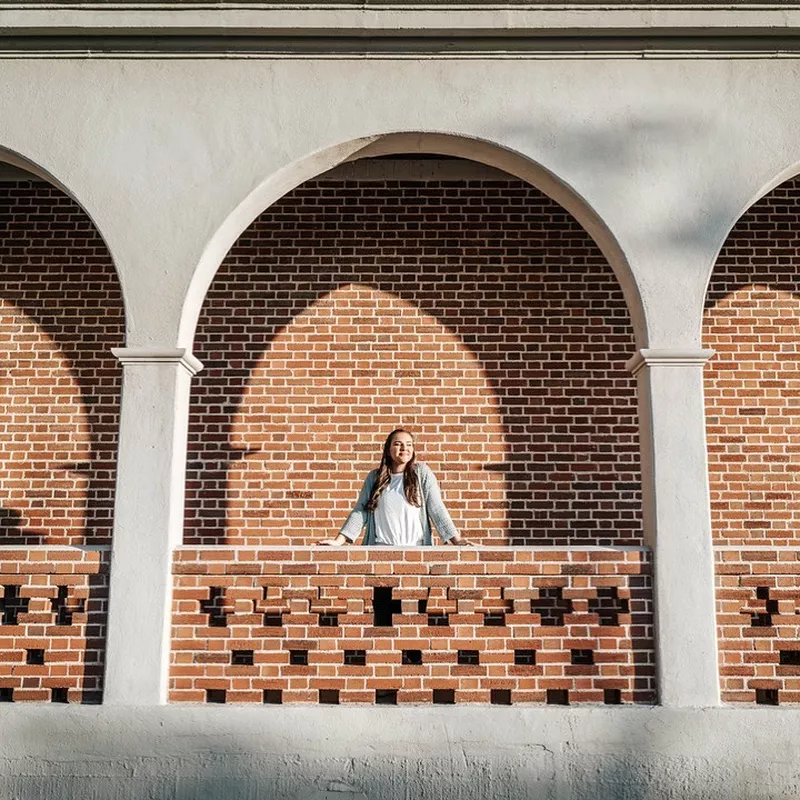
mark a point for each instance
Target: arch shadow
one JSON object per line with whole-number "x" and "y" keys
{"x": 550, "y": 333}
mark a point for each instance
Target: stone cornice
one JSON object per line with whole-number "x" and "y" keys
{"x": 667, "y": 358}
{"x": 128, "y": 356}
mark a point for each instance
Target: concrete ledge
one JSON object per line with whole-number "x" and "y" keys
{"x": 398, "y": 753}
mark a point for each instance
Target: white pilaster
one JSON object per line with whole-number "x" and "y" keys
{"x": 148, "y": 521}
{"x": 677, "y": 522}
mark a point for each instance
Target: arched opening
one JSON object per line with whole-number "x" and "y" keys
{"x": 476, "y": 295}
{"x": 753, "y": 414}
{"x": 61, "y": 311}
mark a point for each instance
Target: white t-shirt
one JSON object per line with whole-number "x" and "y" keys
{"x": 397, "y": 522}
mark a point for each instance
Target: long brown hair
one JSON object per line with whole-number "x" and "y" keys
{"x": 410, "y": 477}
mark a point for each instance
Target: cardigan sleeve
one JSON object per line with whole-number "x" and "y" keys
{"x": 358, "y": 517}
{"x": 435, "y": 507}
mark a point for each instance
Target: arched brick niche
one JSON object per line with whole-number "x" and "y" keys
{"x": 753, "y": 418}
{"x": 60, "y": 313}
{"x": 474, "y": 311}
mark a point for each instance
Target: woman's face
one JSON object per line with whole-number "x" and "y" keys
{"x": 401, "y": 451}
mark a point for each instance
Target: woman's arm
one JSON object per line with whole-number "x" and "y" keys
{"x": 357, "y": 519}
{"x": 437, "y": 511}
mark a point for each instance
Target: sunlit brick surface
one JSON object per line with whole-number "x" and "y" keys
{"x": 758, "y": 616}
{"x": 478, "y": 314}
{"x": 53, "y": 605}
{"x": 366, "y": 625}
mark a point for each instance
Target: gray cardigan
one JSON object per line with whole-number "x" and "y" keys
{"x": 431, "y": 509}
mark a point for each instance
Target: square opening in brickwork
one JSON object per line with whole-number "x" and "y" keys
{"x": 439, "y": 620}
{"x": 557, "y": 697}
{"x": 767, "y": 697}
{"x": 500, "y": 697}
{"x": 608, "y": 605}
{"x": 444, "y": 697}
{"x": 217, "y": 618}
{"x": 272, "y": 697}
{"x": 422, "y": 606}
{"x": 551, "y": 605}
{"x": 12, "y": 605}
{"x": 612, "y": 697}
{"x": 6, "y": 694}
{"x": 329, "y": 620}
{"x": 761, "y": 620}
{"x": 34, "y": 657}
{"x": 242, "y": 658}
{"x": 411, "y": 658}
{"x": 762, "y": 592}
{"x": 524, "y": 658}
{"x": 383, "y": 606}
{"x": 386, "y": 697}
{"x": 298, "y": 658}
{"x": 355, "y": 658}
{"x": 59, "y": 695}
{"x": 329, "y": 697}
{"x": 790, "y": 658}
{"x": 495, "y": 619}
{"x": 215, "y": 695}
{"x": 273, "y": 620}
{"x": 582, "y": 657}
{"x": 469, "y": 658}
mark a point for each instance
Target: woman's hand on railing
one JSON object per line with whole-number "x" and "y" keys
{"x": 337, "y": 542}
{"x": 459, "y": 541}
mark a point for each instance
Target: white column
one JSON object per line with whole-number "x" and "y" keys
{"x": 148, "y": 521}
{"x": 677, "y": 522}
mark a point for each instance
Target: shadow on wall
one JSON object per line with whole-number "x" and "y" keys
{"x": 477, "y": 313}
{"x": 752, "y": 406}
{"x": 60, "y": 312}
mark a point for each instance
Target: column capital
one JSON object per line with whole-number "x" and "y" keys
{"x": 667, "y": 357}
{"x": 161, "y": 355}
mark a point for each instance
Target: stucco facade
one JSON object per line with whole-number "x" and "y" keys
{"x": 174, "y": 127}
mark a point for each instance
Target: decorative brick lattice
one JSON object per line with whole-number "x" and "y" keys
{"x": 477, "y": 313}
{"x": 60, "y": 313}
{"x": 405, "y": 659}
{"x": 758, "y": 618}
{"x": 52, "y": 636}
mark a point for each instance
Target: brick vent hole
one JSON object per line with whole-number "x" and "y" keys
{"x": 496, "y": 619}
{"x": 329, "y": 620}
{"x": 273, "y": 620}
{"x": 243, "y": 658}
{"x": 59, "y": 606}
{"x": 582, "y": 657}
{"x": 6, "y": 694}
{"x": 355, "y": 658}
{"x": 469, "y": 658}
{"x": 59, "y": 694}
{"x": 608, "y": 605}
{"x": 767, "y": 697}
{"x": 383, "y": 606}
{"x": 551, "y": 605}
{"x": 298, "y": 658}
{"x": 34, "y": 657}
{"x": 215, "y": 695}
{"x": 386, "y": 697}
{"x": 12, "y": 605}
{"x": 612, "y": 697}
{"x": 557, "y": 697}
{"x": 444, "y": 697}
{"x": 272, "y": 697}
{"x": 411, "y": 658}
{"x": 790, "y": 658}
{"x": 329, "y": 697}
{"x": 500, "y": 697}
{"x": 524, "y": 658}
{"x": 217, "y": 618}
{"x": 439, "y": 620}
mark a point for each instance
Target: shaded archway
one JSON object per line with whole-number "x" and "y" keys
{"x": 506, "y": 274}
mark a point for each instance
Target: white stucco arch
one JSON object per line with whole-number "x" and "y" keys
{"x": 461, "y": 146}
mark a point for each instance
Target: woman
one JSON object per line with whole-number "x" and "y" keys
{"x": 398, "y": 502}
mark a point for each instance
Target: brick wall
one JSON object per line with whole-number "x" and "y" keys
{"x": 751, "y": 320}
{"x": 373, "y": 625}
{"x": 60, "y": 312}
{"x": 53, "y": 604}
{"x": 477, "y": 313}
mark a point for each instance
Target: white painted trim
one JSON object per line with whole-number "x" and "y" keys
{"x": 667, "y": 358}
{"x": 141, "y": 355}
{"x": 435, "y": 548}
